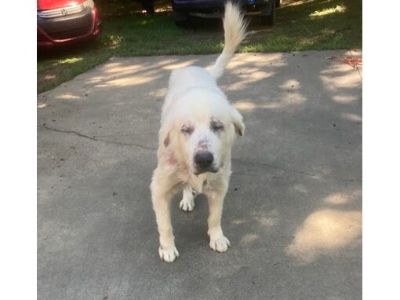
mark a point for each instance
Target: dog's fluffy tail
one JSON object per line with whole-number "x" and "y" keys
{"x": 235, "y": 32}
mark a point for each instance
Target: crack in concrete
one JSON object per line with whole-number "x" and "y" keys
{"x": 241, "y": 161}
{"x": 94, "y": 138}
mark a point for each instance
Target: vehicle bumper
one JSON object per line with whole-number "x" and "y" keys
{"x": 63, "y": 30}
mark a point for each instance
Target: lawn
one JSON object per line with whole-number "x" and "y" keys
{"x": 300, "y": 25}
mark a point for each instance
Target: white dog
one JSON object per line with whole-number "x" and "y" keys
{"x": 198, "y": 127}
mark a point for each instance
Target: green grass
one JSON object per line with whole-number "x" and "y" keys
{"x": 300, "y": 25}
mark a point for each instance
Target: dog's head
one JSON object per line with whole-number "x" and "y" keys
{"x": 201, "y": 132}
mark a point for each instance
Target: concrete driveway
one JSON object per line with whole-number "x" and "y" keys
{"x": 292, "y": 213}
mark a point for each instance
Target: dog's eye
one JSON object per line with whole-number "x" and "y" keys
{"x": 217, "y": 126}
{"x": 186, "y": 129}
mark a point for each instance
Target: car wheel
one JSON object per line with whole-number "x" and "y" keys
{"x": 270, "y": 18}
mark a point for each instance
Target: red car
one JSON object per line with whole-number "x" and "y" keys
{"x": 61, "y": 22}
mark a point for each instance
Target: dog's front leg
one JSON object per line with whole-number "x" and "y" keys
{"x": 161, "y": 194}
{"x": 218, "y": 242}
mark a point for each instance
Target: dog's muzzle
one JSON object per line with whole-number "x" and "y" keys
{"x": 204, "y": 162}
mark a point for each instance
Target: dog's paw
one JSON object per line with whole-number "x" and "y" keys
{"x": 168, "y": 254}
{"x": 186, "y": 204}
{"x": 220, "y": 244}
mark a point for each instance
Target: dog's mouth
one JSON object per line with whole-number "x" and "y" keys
{"x": 211, "y": 169}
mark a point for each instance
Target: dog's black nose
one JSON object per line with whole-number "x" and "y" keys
{"x": 203, "y": 159}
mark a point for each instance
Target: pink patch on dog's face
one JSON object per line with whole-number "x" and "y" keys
{"x": 202, "y": 145}
{"x": 169, "y": 157}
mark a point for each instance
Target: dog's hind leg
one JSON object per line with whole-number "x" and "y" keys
{"x": 187, "y": 202}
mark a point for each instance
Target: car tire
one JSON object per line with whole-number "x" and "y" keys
{"x": 270, "y": 18}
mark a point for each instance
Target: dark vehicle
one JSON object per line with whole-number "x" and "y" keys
{"x": 183, "y": 9}
{"x": 148, "y": 5}
{"x": 61, "y": 22}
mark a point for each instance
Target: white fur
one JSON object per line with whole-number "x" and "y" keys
{"x": 193, "y": 105}
{"x": 235, "y": 32}
{"x": 187, "y": 202}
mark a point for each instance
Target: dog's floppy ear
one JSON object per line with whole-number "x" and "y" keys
{"x": 165, "y": 136}
{"x": 166, "y": 140}
{"x": 237, "y": 120}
